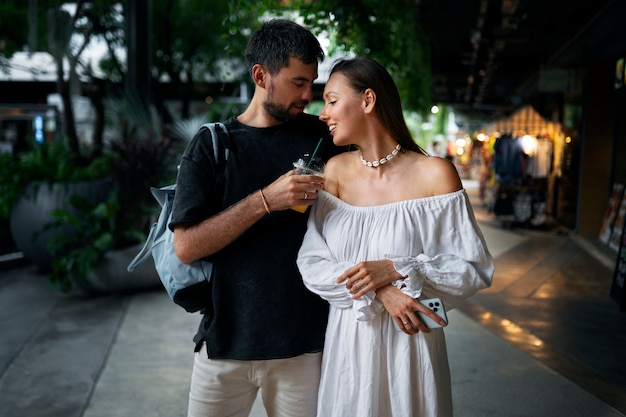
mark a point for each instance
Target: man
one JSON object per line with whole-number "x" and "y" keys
{"x": 261, "y": 328}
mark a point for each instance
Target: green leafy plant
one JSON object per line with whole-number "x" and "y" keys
{"x": 97, "y": 232}
{"x": 47, "y": 162}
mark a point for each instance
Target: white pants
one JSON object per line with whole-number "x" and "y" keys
{"x": 228, "y": 388}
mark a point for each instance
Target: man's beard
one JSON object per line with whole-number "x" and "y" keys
{"x": 277, "y": 111}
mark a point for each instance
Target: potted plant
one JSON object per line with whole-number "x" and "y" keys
{"x": 106, "y": 235}
{"x": 68, "y": 215}
{"x": 94, "y": 258}
{"x": 41, "y": 179}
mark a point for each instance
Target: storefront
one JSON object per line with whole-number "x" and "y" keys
{"x": 20, "y": 123}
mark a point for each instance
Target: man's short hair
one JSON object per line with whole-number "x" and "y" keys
{"x": 279, "y": 39}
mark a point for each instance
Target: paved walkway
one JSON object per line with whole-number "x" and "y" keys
{"x": 529, "y": 346}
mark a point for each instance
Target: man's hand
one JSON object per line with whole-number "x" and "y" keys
{"x": 291, "y": 190}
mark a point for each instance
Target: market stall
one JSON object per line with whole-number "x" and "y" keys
{"x": 526, "y": 156}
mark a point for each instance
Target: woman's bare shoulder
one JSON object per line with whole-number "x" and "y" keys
{"x": 441, "y": 174}
{"x": 335, "y": 169}
{"x": 341, "y": 157}
{"x": 338, "y": 163}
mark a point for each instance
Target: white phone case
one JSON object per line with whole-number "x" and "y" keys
{"x": 436, "y": 305}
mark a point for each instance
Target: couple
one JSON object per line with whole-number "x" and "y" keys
{"x": 379, "y": 236}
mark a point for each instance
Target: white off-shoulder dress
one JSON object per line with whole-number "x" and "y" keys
{"x": 368, "y": 367}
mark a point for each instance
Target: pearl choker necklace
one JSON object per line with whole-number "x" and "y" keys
{"x": 384, "y": 160}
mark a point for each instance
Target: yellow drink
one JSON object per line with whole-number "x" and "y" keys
{"x": 304, "y": 167}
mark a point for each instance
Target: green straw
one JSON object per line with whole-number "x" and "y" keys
{"x": 308, "y": 165}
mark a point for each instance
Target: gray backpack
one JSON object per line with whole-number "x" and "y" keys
{"x": 187, "y": 285}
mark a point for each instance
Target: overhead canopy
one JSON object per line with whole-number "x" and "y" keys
{"x": 527, "y": 121}
{"x": 488, "y": 56}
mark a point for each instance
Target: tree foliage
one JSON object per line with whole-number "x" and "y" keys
{"x": 387, "y": 31}
{"x": 64, "y": 30}
{"x": 189, "y": 38}
{"x": 13, "y": 26}
{"x": 192, "y": 40}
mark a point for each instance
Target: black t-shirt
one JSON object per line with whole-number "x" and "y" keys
{"x": 260, "y": 309}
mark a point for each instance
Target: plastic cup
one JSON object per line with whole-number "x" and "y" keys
{"x": 307, "y": 166}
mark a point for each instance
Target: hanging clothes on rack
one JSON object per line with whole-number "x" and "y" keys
{"x": 508, "y": 168}
{"x": 540, "y": 156}
{"x": 508, "y": 156}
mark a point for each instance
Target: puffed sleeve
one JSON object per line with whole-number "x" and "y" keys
{"x": 455, "y": 262}
{"x": 320, "y": 268}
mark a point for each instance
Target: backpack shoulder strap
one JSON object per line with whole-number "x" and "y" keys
{"x": 221, "y": 151}
{"x": 221, "y": 141}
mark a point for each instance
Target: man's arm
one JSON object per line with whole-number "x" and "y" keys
{"x": 196, "y": 241}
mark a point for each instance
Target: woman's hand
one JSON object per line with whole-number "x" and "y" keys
{"x": 403, "y": 309}
{"x": 368, "y": 276}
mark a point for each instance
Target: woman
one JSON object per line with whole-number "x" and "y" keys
{"x": 391, "y": 226}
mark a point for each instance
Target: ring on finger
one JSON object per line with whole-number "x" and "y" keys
{"x": 306, "y": 196}
{"x": 405, "y": 322}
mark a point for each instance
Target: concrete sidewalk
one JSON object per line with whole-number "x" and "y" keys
{"x": 147, "y": 372}
{"x": 131, "y": 355}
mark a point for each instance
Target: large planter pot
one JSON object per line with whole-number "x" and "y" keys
{"x": 33, "y": 211}
{"x": 111, "y": 276}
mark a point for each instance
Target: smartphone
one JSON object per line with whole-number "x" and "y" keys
{"x": 436, "y": 305}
